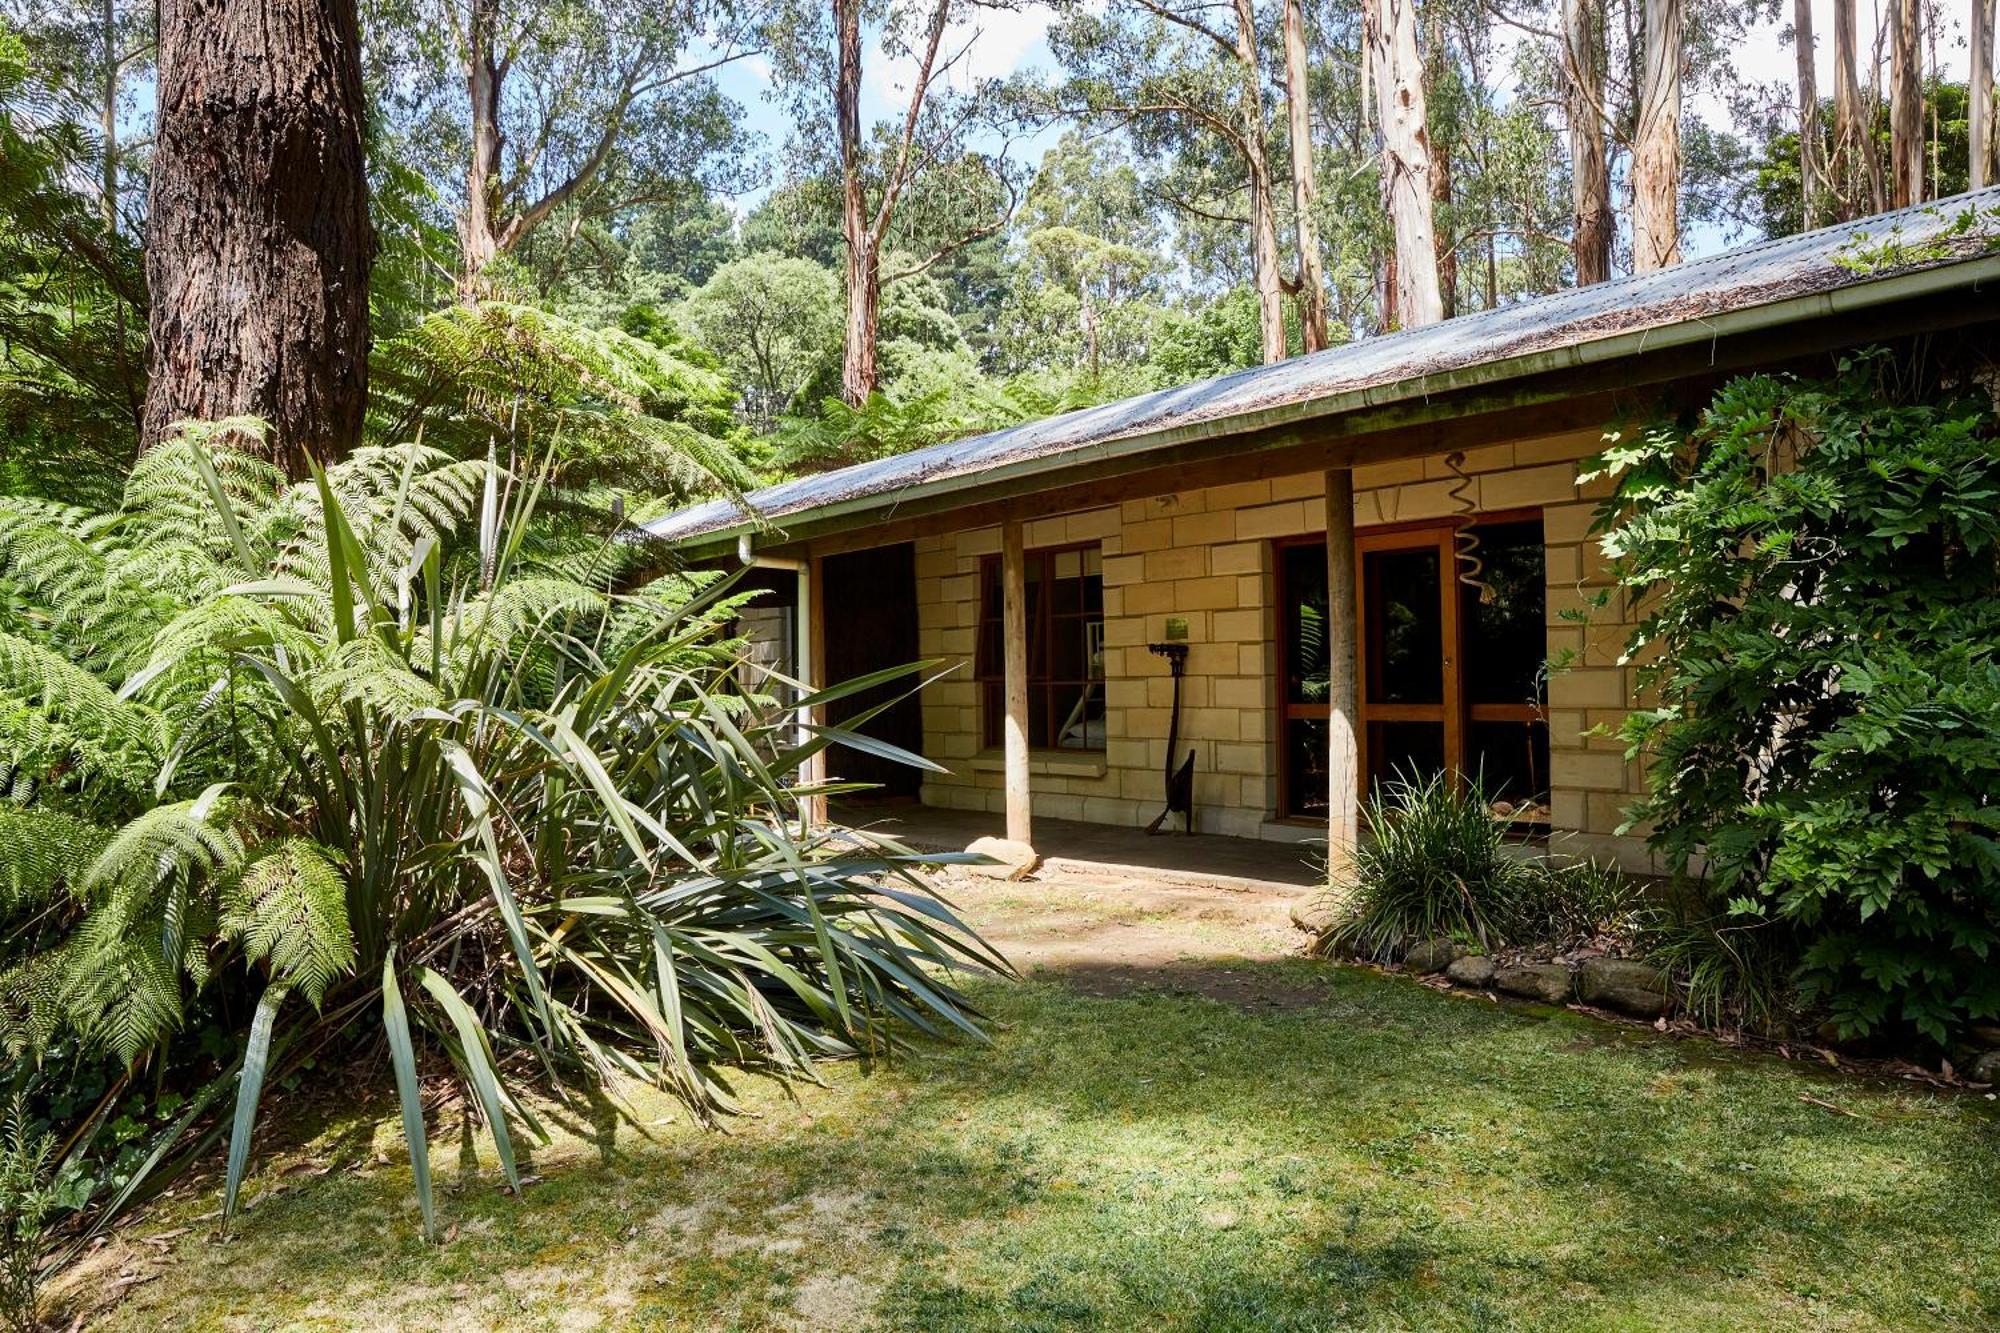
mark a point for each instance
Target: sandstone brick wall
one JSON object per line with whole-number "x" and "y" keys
{"x": 1205, "y": 556}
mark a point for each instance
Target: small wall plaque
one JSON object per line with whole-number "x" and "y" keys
{"x": 1176, "y": 628}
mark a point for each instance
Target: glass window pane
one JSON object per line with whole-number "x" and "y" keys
{"x": 1406, "y": 627}
{"x": 1304, "y": 638}
{"x": 1078, "y": 712}
{"x": 1510, "y": 761}
{"x": 1506, "y": 634}
{"x": 1305, "y": 767}
{"x": 1404, "y": 750}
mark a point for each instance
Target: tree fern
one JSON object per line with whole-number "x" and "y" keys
{"x": 41, "y": 851}
{"x": 288, "y": 910}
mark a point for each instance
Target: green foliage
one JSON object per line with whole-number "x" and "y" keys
{"x": 365, "y": 724}
{"x": 27, "y": 1203}
{"x": 639, "y": 409}
{"x": 776, "y": 324}
{"x": 1816, "y": 565}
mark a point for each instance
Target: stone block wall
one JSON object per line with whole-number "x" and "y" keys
{"x": 1205, "y": 556}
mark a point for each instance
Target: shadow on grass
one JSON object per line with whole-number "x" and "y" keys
{"x": 1207, "y": 1145}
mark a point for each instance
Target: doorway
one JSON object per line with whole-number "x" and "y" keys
{"x": 1453, "y": 672}
{"x": 868, "y": 611}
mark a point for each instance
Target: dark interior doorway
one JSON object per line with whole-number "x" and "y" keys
{"x": 869, "y": 614}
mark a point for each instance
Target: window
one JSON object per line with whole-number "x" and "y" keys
{"x": 1451, "y": 674}
{"x": 1065, "y": 603}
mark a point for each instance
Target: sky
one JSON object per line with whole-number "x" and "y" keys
{"x": 1010, "y": 41}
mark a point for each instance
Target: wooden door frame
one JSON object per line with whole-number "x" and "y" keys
{"x": 1453, "y": 712}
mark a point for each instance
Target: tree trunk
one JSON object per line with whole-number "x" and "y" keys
{"x": 1591, "y": 226}
{"x": 1980, "y": 85}
{"x": 1390, "y": 27}
{"x": 258, "y": 242}
{"x": 858, "y": 368}
{"x": 1906, "y": 105}
{"x": 481, "y": 239}
{"x": 1270, "y": 283}
{"x": 108, "y": 18}
{"x": 1812, "y": 159}
{"x": 1447, "y": 253}
{"x": 1656, "y": 148}
{"x": 1856, "y": 170}
{"x": 1305, "y": 184}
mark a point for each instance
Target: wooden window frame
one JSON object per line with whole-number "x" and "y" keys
{"x": 1452, "y": 712}
{"x": 1041, "y": 635}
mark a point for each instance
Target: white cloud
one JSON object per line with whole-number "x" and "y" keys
{"x": 1001, "y": 43}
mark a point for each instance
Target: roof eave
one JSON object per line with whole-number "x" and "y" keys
{"x": 1845, "y": 299}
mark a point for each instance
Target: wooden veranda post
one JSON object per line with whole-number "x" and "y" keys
{"x": 812, "y": 612}
{"x": 1343, "y": 779}
{"x": 1014, "y": 630}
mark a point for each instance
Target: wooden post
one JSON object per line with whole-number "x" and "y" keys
{"x": 1343, "y": 803}
{"x": 1014, "y": 632}
{"x": 812, "y": 610}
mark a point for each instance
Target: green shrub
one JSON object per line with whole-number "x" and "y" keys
{"x": 345, "y": 760}
{"x": 1816, "y": 567}
{"x": 1432, "y": 863}
{"x": 27, "y": 1203}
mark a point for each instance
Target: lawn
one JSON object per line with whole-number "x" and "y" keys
{"x": 1210, "y": 1143}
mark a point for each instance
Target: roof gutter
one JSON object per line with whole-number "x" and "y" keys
{"x": 1874, "y": 292}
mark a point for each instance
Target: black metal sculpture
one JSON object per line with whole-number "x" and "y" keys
{"x": 1180, "y": 781}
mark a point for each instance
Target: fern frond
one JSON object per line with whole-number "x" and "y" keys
{"x": 41, "y": 851}
{"x": 365, "y": 671}
{"x": 289, "y": 908}
{"x": 53, "y": 712}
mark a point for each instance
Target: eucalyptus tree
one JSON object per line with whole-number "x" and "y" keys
{"x": 1656, "y": 143}
{"x": 578, "y": 112}
{"x": 1184, "y": 79}
{"x": 1396, "y": 68}
{"x": 1906, "y": 103}
{"x": 258, "y": 238}
{"x": 99, "y": 54}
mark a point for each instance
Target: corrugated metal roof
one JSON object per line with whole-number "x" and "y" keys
{"x": 1687, "y": 295}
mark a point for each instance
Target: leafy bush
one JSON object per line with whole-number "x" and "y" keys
{"x": 1816, "y": 569}
{"x": 27, "y": 1202}
{"x": 1435, "y": 864}
{"x": 346, "y": 757}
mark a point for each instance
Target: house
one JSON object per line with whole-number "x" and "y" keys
{"x": 1362, "y": 558}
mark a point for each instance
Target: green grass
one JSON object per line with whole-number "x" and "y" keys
{"x": 1358, "y": 1152}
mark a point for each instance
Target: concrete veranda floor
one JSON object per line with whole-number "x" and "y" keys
{"x": 1069, "y": 844}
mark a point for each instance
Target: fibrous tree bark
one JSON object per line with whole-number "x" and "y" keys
{"x": 258, "y": 241}
{"x": 1980, "y": 84}
{"x": 1269, "y": 281}
{"x": 1906, "y": 104}
{"x": 1591, "y": 223}
{"x": 1656, "y": 146}
{"x": 1812, "y": 159}
{"x": 1855, "y": 169}
{"x": 1390, "y": 31}
{"x": 1305, "y": 184}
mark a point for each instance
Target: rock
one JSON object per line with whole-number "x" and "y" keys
{"x": 1010, "y": 860}
{"x": 1986, "y": 1036}
{"x": 1985, "y": 1067}
{"x": 1551, "y": 983}
{"x": 1313, "y": 913}
{"x": 1639, "y": 989}
{"x": 1475, "y": 970}
{"x": 1429, "y": 956}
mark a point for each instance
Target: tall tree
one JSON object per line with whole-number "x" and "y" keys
{"x": 1979, "y": 87}
{"x": 578, "y": 111}
{"x": 1906, "y": 104}
{"x": 1592, "y": 224}
{"x": 1812, "y": 143}
{"x": 1305, "y": 184}
{"x": 917, "y": 187}
{"x": 1656, "y": 146}
{"x": 259, "y": 241}
{"x": 1855, "y": 168}
{"x": 1396, "y": 71}
{"x": 1263, "y": 216}
{"x": 1191, "y": 90}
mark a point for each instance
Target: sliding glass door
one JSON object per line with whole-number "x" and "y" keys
{"x": 1452, "y": 656}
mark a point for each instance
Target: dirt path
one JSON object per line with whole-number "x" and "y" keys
{"x": 1113, "y": 935}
